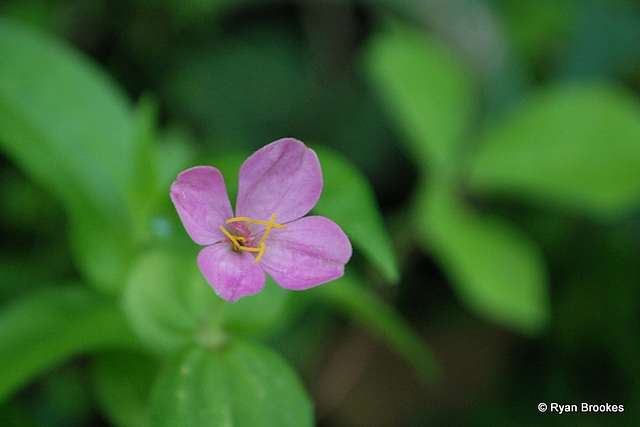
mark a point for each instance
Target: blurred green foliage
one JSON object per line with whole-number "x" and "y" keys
{"x": 483, "y": 157}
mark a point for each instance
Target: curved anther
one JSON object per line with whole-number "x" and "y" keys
{"x": 236, "y": 240}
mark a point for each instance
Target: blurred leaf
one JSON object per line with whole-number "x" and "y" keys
{"x": 428, "y": 92}
{"x": 17, "y": 276}
{"x": 101, "y": 252}
{"x": 15, "y": 415}
{"x": 229, "y": 165}
{"x": 25, "y": 206}
{"x": 60, "y": 397}
{"x": 169, "y": 304}
{"x": 494, "y": 267}
{"x": 257, "y": 314}
{"x": 122, "y": 383}
{"x": 43, "y": 328}
{"x": 358, "y": 302}
{"x": 254, "y": 84}
{"x": 535, "y": 27}
{"x": 68, "y": 128}
{"x": 146, "y": 189}
{"x": 237, "y": 384}
{"x": 166, "y": 298}
{"x": 574, "y": 146}
{"x": 175, "y": 154}
{"x": 348, "y": 199}
{"x": 63, "y": 115}
{"x": 194, "y": 12}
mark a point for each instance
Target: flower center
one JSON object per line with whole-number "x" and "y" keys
{"x": 240, "y": 242}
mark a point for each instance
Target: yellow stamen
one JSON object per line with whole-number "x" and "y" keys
{"x": 233, "y": 239}
{"x": 237, "y": 239}
{"x": 239, "y": 218}
{"x": 257, "y": 221}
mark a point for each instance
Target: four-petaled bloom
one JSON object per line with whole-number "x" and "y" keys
{"x": 278, "y": 185}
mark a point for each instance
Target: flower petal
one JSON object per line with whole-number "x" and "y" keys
{"x": 201, "y": 200}
{"x": 231, "y": 274}
{"x": 310, "y": 251}
{"x": 282, "y": 178}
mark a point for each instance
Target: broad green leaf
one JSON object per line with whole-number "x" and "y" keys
{"x": 166, "y": 299}
{"x": 43, "y": 328}
{"x": 427, "y": 91}
{"x": 69, "y": 129}
{"x": 237, "y": 384}
{"x": 573, "y": 146}
{"x": 495, "y": 269}
{"x": 348, "y": 199}
{"x": 169, "y": 304}
{"x": 360, "y": 303}
{"x": 122, "y": 384}
{"x": 256, "y": 315}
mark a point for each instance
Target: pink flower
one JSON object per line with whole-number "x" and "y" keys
{"x": 278, "y": 185}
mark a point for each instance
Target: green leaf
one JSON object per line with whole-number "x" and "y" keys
{"x": 101, "y": 250}
{"x": 427, "y": 91}
{"x": 348, "y": 199}
{"x": 122, "y": 384}
{"x": 166, "y": 299}
{"x": 573, "y": 146}
{"x": 257, "y": 314}
{"x": 170, "y": 305}
{"x": 534, "y": 27}
{"x": 43, "y": 328}
{"x": 63, "y": 121}
{"x": 146, "y": 191}
{"x": 495, "y": 269}
{"x": 239, "y": 384}
{"x": 358, "y": 302}
{"x": 72, "y": 131}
